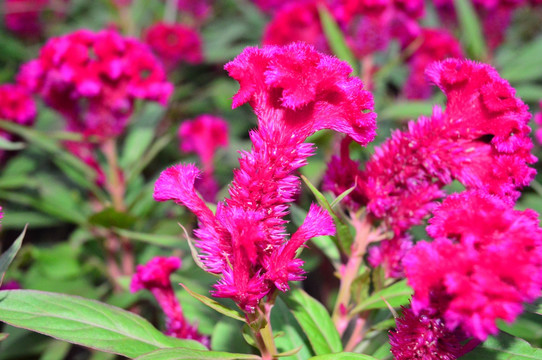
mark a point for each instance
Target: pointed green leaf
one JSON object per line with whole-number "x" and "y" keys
{"x": 396, "y": 295}
{"x": 191, "y": 354}
{"x": 215, "y": 305}
{"x": 343, "y": 356}
{"x": 315, "y": 321}
{"x": 342, "y": 196}
{"x": 85, "y": 322}
{"x": 336, "y": 40}
{"x": 504, "y": 347}
{"x": 292, "y": 337}
{"x": 7, "y": 257}
{"x": 472, "y": 35}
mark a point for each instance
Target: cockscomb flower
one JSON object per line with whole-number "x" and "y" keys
{"x": 481, "y": 140}
{"x": 436, "y": 45}
{"x": 296, "y": 22}
{"x": 424, "y": 337}
{"x": 538, "y": 121}
{"x": 23, "y": 17}
{"x": 154, "y": 277}
{"x": 16, "y": 105}
{"x": 390, "y": 253}
{"x": 486, "y": 261}
{"x": 199, "y": 9}
{"x": 174, "y": 43}
{"x": 204, "y": 135}
{"x": 93, "y": 79}
{"x": 294, "y": 91}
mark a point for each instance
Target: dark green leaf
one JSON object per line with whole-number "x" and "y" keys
{"x": 504, "y": 347}
{"x": 315, "y": 321}
{"x": 153, "y": 239}
{"x": 7, "y": 257}
{"x": 396, "y": 295}
{"x": 85, "y": 322}
{"x": 473, "y": 37}
{"x": 216, "y": 305}
{"x": 292, "y": 336}
{"x": 191, "y": 354}
{"x": 111, "y": 218}
{"x": 336, "y": 40}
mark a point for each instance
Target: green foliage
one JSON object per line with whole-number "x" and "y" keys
{"x": 504, "y": 347}
{"x": 7, "y": 257}
{"x": 395, "y": 295}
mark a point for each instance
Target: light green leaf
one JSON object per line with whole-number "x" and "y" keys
{"x": 292, "y": 337}
{"x": 191, "y": 354}
{"x": 153, "y": 239}
{"x": 504, "y": 347}
{"x": 315, "y": 321}
{"x": 343, "y": 356}
{"x": 215, "y": 305}
{"x": 342, "y": 196}
{"x": 396, "y": 295}
{"x": 85, "y": 322}
{"x": 336, "y": 40}
{"x": 407, "y": 110}
{"x": 7, "y": 257}
{"x": 473, "y": 37}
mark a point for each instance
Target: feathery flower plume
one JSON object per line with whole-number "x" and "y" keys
{"x": 294, "y": 91}
{"x": 481, "y": 140}
{"x": 154, "y": 277}
{"x": 538, "y": 121}
{"x": 486, "y": 261}
{"x": 425, "y": 337}
{"x": 204, "y": 135}
{"x": 174, "y": 43}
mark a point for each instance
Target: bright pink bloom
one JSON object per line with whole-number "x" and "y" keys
{"x": 154, "y": 277}
{"x": 274, "y": 5}
{"x": 16, "y": 105}
{"x": 437, "y": 45}
{"x": 481, "y": 140}
{"x": 538, "y": 121}
{"x": 294, "y": 91}
{"x": 298, "y": 21}
{"x": 22, "y": 17}
{"x": 204, "y": 135}
{"x": 389, "y": 254}
{"x": 200, "y": 9}
{"x": 174, "y": 43}
{"x": 486, "y": 261}
{"x": 424, "y": 337}
{"x": 93, "y": 79}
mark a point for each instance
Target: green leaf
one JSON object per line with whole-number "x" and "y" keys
{"x": 215, "y": 305}
{"x": 153, "y": 239}
{"x": 473, "y": 37}
{"x": 522, "y": 64}
{"x": 7, "y": 257}
{"x": 292, "y": 338}
{"x": 396, "y": 295}
{"x": 110, "y": 218}
{"x": 3, "y": 336}
{"x": 343, "y": 356}
{"x": 191, "y": 354}
{"x": 342, "y": 196}
{"x": 85, "y": 322}
{"x": 407, "y": 110}
{"x": 344, "y": 236}
{"x": 315, "y": 321}
{"x": 336, "y": 40}
{"x": 504, "y": 347}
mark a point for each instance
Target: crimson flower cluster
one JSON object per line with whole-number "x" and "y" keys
{"x": 538, "y": 121}
{"x": 204, "y": 135}
{"x": 174, "y": 43}
{"x": 23, "y": 17}
{"x": 154, "y": 277}
{"x": 294, "y": 91}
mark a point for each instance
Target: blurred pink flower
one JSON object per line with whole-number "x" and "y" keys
{"x": 154, "y": 277}
{"x": 174, "y": 43}
{"x": 538, "y": 121}
{"x": 23, "y": 17}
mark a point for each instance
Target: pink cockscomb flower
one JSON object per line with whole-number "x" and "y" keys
{"x": 204, "y": 135}
{"x": 23, "y": 17}
{"x": 424, "y": 337}
{"x": 485, "y": 262}
{"x": 538, "y": 121}
{"x": 16, "y": 105}
{"x": 298, "y": 21}
{"x": 436, "y": 45}
{"x": 93, "y": 79}
{"x": 154, "y": 277}
{"x": 174, "y": 43}
{"x": 390, "y": 253}
{"x": 294, "y": 91}
{"x": 481, "y": 140}
{"x": 200, "y": 9}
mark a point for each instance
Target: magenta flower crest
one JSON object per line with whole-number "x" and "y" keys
{"x": 294, "y": 91}
{"x": 154, "y": 277}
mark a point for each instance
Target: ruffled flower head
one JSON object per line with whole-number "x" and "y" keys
{"x": 486, "y": 261}
{"x": 294, "y": 91}
{"x": 538, "y": 122}
{"x": 174, "y": 43}
{"x": 93, "y": 79}
{"x": 154, "y": 277}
